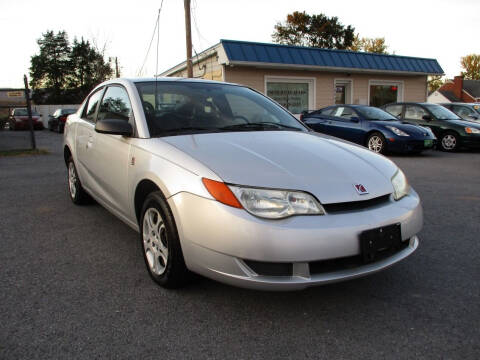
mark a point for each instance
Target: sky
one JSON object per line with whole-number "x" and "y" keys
{"x": 442, "y": 29}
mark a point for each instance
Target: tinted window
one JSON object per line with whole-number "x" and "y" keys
{"x": 327, "y": 111}
{"x": 414, "y": 112}
{"x": 441, "y": 113}
{"x": 115, "y": 104}
{"x": 24, "y": 112}
{"x": 462, "y": 110}
{"x": 343, "y": 112}
{"x": 395, "y": 110}
{"x": 173, "y": 108}
{"x": 383, "y": 94}
{"x": 89, "y": 111}
{"x": 372, "y": 113}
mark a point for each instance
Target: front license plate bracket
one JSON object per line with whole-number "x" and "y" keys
{"x": 378, "y": 242}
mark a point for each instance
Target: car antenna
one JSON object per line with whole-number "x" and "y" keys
{"x": 156, "y": 62}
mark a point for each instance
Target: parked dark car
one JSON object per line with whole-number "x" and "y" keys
{"x": 451, "y": 131}
{"x": 58, "y": 119}
{"x": 467, "y": 111}
{"x": 370, "y": 127}
{"x": 18, "y": 120}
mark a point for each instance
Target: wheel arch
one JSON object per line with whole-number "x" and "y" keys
{"x": 142, "y": 190}
{"x": 370, "y": 132}
{"x": 67, "y": 153}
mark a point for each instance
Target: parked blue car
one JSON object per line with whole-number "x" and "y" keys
{"x": 370, "y": 127}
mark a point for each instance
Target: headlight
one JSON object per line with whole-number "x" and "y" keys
{"x": 397, "y": 131}
{"x": 276, "y": 204}
{"x": 470, "y": 130}
{"x": 400, "y": 185}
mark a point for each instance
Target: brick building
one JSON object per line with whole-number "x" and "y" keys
{"x": 457, "y": 90}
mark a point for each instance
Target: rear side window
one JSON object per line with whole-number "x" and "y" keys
{"x": 91, "y": 107}
{"x": 115, "y": 105}
{"x": 395, "y": 110}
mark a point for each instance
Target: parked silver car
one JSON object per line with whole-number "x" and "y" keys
{"x": 222, "y": 181}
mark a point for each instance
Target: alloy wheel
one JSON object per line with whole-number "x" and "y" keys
{"x": 155, "y": 242}
{"x": 375, "y": 143}
{"x": 449, "y": 142}
{"x": 72, "y": 180}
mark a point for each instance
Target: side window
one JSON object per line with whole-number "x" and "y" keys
{"x": 462, "y": 110}
{"x": 91, "y": 107}
{"x": 395, "y": 110}
{"x": 327, "y": 111}
{"x": 115, "y": 105}
{"x": 347, "y": 113}
{"x": 414, "y": 112}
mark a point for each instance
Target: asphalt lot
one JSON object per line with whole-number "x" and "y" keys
{"x": 73, "y": 283}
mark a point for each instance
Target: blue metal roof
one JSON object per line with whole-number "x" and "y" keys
{"x": 259, "y": 53}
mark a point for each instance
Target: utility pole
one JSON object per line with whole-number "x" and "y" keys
{"x": 29, "y": 110}
{"x": 188, "y": 33}
{"x": 116, "y": 68}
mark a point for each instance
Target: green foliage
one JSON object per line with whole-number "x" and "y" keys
{"x": 471, "y": 64}
{"x": 372, "y": 45}
{"x": 434, "y": 83}
{"x": 61, "y": 73}
{"x": 319, "y": 30}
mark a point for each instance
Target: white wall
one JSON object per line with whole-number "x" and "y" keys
{"x": 437, "y": 98}
{"x": 46, "y": 110}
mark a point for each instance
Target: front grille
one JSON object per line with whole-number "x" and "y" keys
{"x": 325, "y": 266}
{"x": 356, "y": 205}
{"x": 270, "y": 268}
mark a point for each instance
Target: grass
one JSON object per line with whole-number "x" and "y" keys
{"x": 23, "y": 152}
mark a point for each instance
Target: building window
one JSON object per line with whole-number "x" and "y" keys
{"x": 384, "y": 93}
{"x": 293, "y": 96}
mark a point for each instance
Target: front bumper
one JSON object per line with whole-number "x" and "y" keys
{"x": 218, "y": 241}
{"x": 410, "y": 145}
{"x": 471, "y": 141}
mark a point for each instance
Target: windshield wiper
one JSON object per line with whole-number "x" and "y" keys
{"x": 260, "y": 126}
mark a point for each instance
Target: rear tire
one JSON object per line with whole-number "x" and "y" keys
{"x": 376, "y": 142}
{"x": 160, "y": 243}
{"x": 77, "y": 194}
{"x": 449, "y": 141}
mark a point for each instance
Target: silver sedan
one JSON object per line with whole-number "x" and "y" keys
{"x": 222, "y": 181}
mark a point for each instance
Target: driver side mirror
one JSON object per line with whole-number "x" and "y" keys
{"x": 114, "y": 127}
{"x": 427, "y": 117}
{"x": 354, "y": 119}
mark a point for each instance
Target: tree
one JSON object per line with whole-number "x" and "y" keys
{"x": 51, "y": 67}
{"x": 471, "y": 64}
{"x": 372, "y": 45}
{"x": 434, "y": 83}
{"x": 88, "y": 67}
{"x": 319, "y": 30}
{"x": 64, "y": 74}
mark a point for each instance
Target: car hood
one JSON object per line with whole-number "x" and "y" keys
{"x": 409, "y": 128}
{"x": 326, "y": 167}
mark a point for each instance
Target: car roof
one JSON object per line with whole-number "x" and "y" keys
{"x": 166, "y": 79}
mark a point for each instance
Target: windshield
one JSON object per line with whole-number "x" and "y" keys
{"x": 442, "y": 113}
{"x": 373, "y": 113}
{"x": 182, "y": 107}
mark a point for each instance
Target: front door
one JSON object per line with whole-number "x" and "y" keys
{"x": 111, "y": 153}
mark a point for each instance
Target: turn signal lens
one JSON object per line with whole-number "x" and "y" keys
{"x": 470, "y": 130}
{"x": 221, "y": 192}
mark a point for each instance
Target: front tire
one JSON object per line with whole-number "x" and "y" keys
{"x": 160, "y": 243}
{"x": 376, "y": 143}
{"x": 77, "y": 194}
{"x": 449, "y": 142}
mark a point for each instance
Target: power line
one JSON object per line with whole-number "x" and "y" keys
{"x": 155, "y": 30}
{"x": 199, "y": 34}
